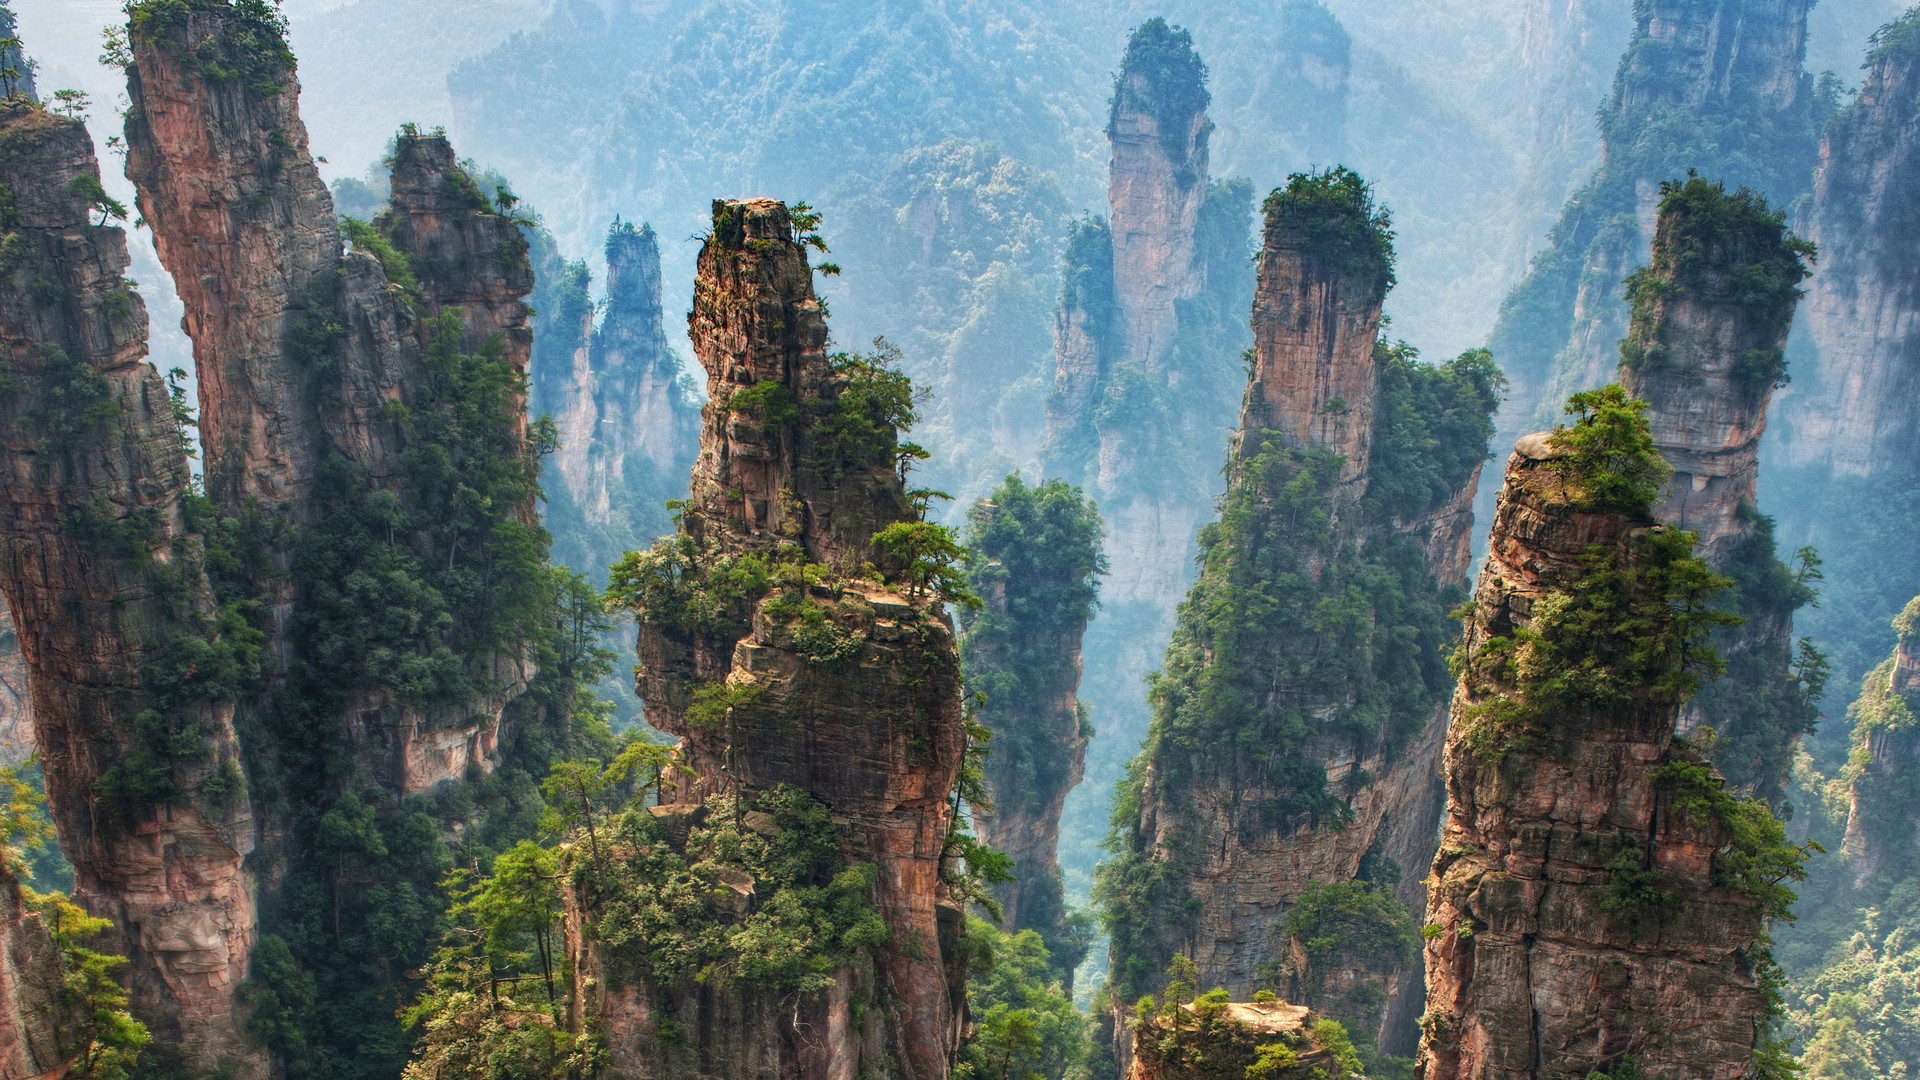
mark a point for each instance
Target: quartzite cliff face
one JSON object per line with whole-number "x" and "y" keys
{"x": 1145, "y": 387}
{"x": 1724, "y": 86}
{"x": 1706, "y": 348}
{"x": 16, "y": 716}
{"x": 132, "y": 683}
{"x": 1288, "y": 753}
{"x": 817, "y": 681}
{"x": 1583, "y": 903}
{"x": 1879, "y": 843}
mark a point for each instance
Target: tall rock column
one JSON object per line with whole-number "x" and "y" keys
{"x": 1706, "y": 349}
{"x": 1157, "y": 184}
{"x": 1316, "y": 313}
{"x": 1724, "y": 87}
{"x": 16, "y": 715}
{"x": 1291, "y": 773}
{"x": 1036, "y": 563}
{"x": 1149, "y": 340}
{"x": 805, "y": 681}
{"x": 1599, "y": 895}
{"x": 1879, "y": 844}
{"x": 133, "y": 670}
{"x": 1844, "y": 477}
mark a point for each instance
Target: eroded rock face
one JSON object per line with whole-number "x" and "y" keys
{"x": 1314, "y": 325}
{"x": 871, "y": 726}
{"x": 1157, "y": 183}
{"x": 16, "y": 715}
{"x": 1879, "y": 843}
{"x": 38, "y": 1022}
{"x": 1856, "y": 415}
{"x": 104, "y": 576}
{"x": 1734, "y": 73}
{"x": 1204, "y": 1039}
{"x": 1260, "y": 780}
{"x": 1540, "y": 966}
{"x": 305, "y": 349}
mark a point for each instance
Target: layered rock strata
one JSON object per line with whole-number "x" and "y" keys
{"x": 1035, "y": 562}
{"x": 1879, "y": 845}
{"x": 39, "y": 1020}
{"x": 1286, "y": 754}
{"x": 1706, "y": 349}
{"x": 1727, "y": 81}
{"x": 1157, "y": 184}
{"x": 132, "y": 674}
{"x": 1581, "y": 912}
{"x": 843, "y": 687}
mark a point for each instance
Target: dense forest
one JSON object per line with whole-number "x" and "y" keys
{"x": 1283, "y": 541}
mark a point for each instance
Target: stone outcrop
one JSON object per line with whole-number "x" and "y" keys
{"x": 1143, "y": 443}
{"x": 1202, "y": 1040}
{"x": 1157, "y": 183}
{"x": 1855, "y": 414}
{"x": 39, "y": 1021}
{"x": 1272, "y": 766}
{"x": 303, "y": 347}
{"x": 134, "y": 717}
{"x": 1706, "y": 348}
{"x": 1879, "y": 845}
{"x": 626, "y": 421}
{"x": 16, "y": 715}
{"x": 843, "y": 687}
{"x": 1725, "y": 86}
{"x": 1580, "y": 913}
{"x": 1314, "y": 324}
{"x": 1035, "y": 563}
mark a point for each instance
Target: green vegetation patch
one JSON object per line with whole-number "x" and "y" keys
{"x": 1173, "y": 82}
{"x": 1332, "y": 218}
{"x": 250, "y": 49}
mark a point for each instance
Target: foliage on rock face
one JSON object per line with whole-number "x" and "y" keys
{"x": 1764, "y": 712}
{"x": 1025, "y": 1026}
{"x": 1632, "y": 629}
{"x": 252, "y": 48}
{"x": 1035, "y": 557}
{"x": 654, "y": 911}
{"x": 1035, "y": 550}
{"x": 1181, "y": 1036}
{"x": 1172, "y": 82}
{"x": 1719, "y": 248}
{"x": 1658, "y": 125}
{"x": 1341, "y": 227}
{"x": 1291, "y": 611}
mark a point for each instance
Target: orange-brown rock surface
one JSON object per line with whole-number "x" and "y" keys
{"x": 1580, "y": 912}
{"x": 1706, "y": 349}
{"x": 1157, "y": 183}
{"x": 133, "y": 712}
{"x": 845, "y": 688}
{"x": 1279, "y": 760}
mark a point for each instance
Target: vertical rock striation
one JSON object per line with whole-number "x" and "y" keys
{"x": 1157, "y": 184}
{"x": 1140, "y": 440}
{"x": 1599, "y": 896}
{"x": 16, "y": 715}
{"x": 1879, "y": 846}
{"x": 1706, "y": 348}
{"x": 1036, "y": 563}
{"x": 1842, "y": 475}
{"x": 38, "y": 1020}
{"x": 1298, "y": 723}
{"x": 1714, "y": 87}
{"x": 133, "y": 670}
{"x": 808, "y": 680}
